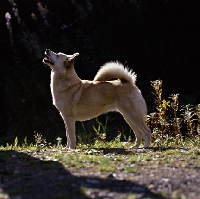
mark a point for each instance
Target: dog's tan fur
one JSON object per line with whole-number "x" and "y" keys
{"x": 113, "y": 89}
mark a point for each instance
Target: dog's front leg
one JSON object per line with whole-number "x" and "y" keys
{"x": 70, "y": 132}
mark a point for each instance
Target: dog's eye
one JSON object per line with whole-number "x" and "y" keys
{"x": 57, "y": 55}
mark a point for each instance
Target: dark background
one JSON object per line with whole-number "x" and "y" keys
{"x": 159, "y": 39}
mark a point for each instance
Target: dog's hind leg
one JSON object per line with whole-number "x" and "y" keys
{"x": 140, "y": 128}
{"x": 147, "y": 135}
{"x": 136, "y": 120}
{"x": 138, "y": 135}
{"x": 144, "y": 129}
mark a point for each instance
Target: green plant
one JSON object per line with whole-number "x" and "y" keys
{"x": 166, "y": 122}
{"x": 59, "y": 142}
{"x": 39, "y": 141}
{"x": 100, "y": 130}
{"x": 158, "y": 121}
{"x": 197, "y": 113}
{"x": 188, "y": 115}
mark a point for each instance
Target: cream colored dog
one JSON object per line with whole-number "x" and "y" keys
{"x": 113, "y": 89}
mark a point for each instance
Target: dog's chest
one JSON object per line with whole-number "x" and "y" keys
{"x": 52, "y": 87}
{"x": 55, "y": 86}
{"x": 59, "y": 87}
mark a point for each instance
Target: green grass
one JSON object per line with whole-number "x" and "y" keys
{"x": 115, "y": 159}
{"x": 108, "y": 156}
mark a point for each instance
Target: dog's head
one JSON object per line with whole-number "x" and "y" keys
{"x": 58, "y": 60}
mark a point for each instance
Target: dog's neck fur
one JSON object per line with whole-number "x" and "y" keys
{"x": 61, "y": 81}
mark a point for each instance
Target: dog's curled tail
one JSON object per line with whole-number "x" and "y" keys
{"x": 115, "y": 70}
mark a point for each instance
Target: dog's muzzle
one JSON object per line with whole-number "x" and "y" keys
{"x": 47, "y": 59}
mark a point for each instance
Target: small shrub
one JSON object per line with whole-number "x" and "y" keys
{"x": 166, "y": 122}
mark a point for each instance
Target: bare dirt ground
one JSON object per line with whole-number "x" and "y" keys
{"x": 24, "y": 175}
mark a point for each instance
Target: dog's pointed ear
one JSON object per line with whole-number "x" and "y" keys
{"x": 72, "y": 57}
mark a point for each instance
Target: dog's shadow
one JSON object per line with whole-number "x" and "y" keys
{"x": 122, "y": 151}
{"x": 24, "y": 176}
